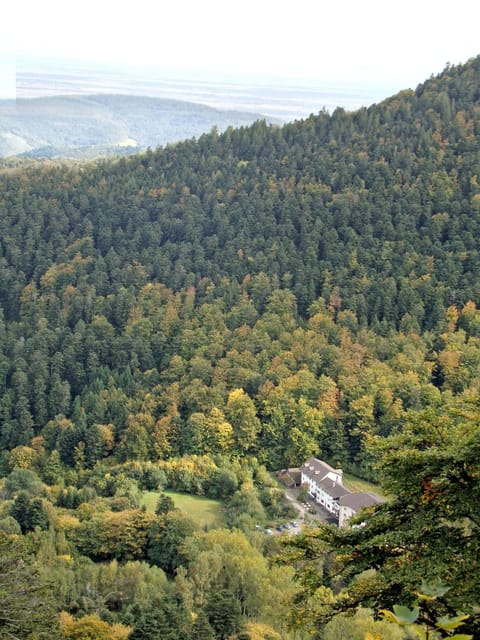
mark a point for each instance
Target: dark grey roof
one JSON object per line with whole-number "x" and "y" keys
{"x": 333, "y": 489}
{"x": 357, "y": 501}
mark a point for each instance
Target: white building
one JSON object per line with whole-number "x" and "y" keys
{"x": 325, "y": 486}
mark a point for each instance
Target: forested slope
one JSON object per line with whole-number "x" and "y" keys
{"x": 376, "y": 212}
{"x": 252, "y": 298}
{"x": 385, "y": 195}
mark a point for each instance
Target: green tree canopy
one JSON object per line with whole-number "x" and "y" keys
{"x": 27, "y": 607}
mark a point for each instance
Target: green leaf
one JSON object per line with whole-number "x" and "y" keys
{"x": 403, "y": 615}
{"x": 430, "y": 591}
{"x": 448, "y": 624}
{"x": 460, "y": 636}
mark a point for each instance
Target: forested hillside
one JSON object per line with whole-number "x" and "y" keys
{"x": 195, "y": 316}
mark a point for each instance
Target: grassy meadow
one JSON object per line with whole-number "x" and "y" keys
{"x": 204, "y": 511}
{"x": 357, "y": 484}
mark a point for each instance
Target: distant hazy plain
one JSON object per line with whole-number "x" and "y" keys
{"x": 285, "y": 101}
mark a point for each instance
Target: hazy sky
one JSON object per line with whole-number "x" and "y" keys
{"x": 345, "y": 42}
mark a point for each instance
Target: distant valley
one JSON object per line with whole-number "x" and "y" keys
{"x": 88, "y": 126}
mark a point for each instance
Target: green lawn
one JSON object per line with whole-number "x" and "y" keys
{"x": 356, "y": 484}
{"x": 204, "y": 511}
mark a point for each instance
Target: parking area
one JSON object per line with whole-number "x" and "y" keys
{"x": 309, "y": 510}
{"x": 291, "y": 528}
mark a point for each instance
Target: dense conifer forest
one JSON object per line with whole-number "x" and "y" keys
{"x": 195, "y": 317}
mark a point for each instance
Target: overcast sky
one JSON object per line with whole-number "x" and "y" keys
{"x": 346, "y": 42}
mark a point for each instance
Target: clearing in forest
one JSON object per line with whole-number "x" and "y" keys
{"x": 204, "y": 511}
